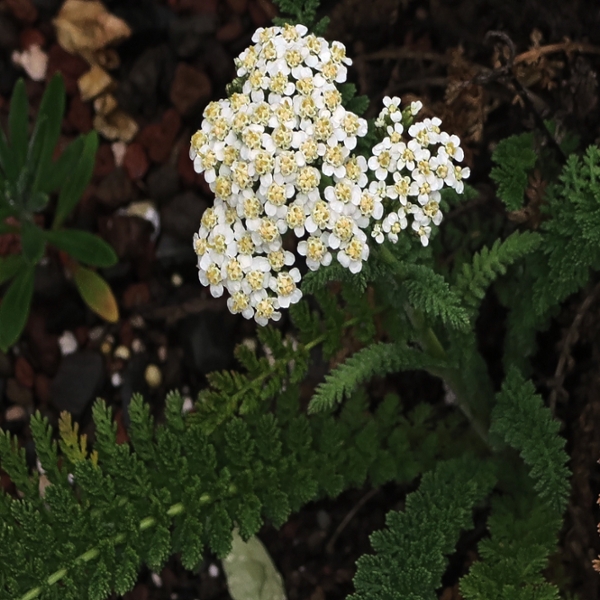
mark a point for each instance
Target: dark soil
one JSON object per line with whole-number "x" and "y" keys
{"x": 488, "y": 68}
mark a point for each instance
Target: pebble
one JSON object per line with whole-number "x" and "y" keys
{"x": 190, "y": 89}
{"x": 118, "y": 150}
{"x": 23, "y": 372}
{"x": 116, "y": 380}
{"x": 188, "y": 405}
{"x": 105, "y": 161}
{"x": 213, "y": 570}
{"x": 189, "y": 35}
{"x": 31, "y": 37}
{"x": 67, "y": 343}
{"x": 158, "y": 138}
{"x": 122, "y": 352}
{"x": 181, "y": 216}
{"x": 135, "y": 161}
{"x": 22, "y": 10}
{"x": 153, "y": 376}
{"x": 176, "y": 280}
{"x": 163, "y": 183}
{"x": 136, "y": 294}
{"x": 79, "y": 115}
{"x": 137, "y": 346}
{"x": 9, "y": 36}
{"x": 19, "y": 394}
{"x": 15, "y": 413}
{"x": 78, "y": 380}
{"x": 115, "y": 189}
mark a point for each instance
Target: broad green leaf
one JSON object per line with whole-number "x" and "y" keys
{"x": 33, "y": 242}
{"x": 52, "y": 108}
{"x": 96, "y": 293}
{"x": 74, "y": 187}
{"x": 17, "y": 124}
{"x": 58, "y": 171}
{"x": 15, "y": 307}
{"x": 83, "y": 246}
{"x": 250, "y": 572}
{"x": 9, "y": 267}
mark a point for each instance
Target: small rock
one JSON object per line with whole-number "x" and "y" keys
{"x": 153, "y": 376}
{"x": 122, "y": 352}
{"x": 70, "y": 66}
{"x": 185, "y": 167}
{"x": 219, "y": 64}
{"x": 115, "y": 189}
{"x": 181, "y": 216}
{"x": 8, "y": 76}
{"x": 68, "y": 343}
{"x": 135, "y": 161}
{"x": 190, "y": 88}
{"x": 171, "y": 249}
{"x": 9, "y": 36}
{"x": 42, "y": 387}
{"x": 34, "y": 62}
{"x": 15, "y": 413}
{"x": 231, "y": 30}
{"x": 238, "y": 6}
{"x": 22, "y": 10}
{"x": 118, "y": 150}
{"x": 163, "y": 183}
{"x": 158, "y": 138}
{"x": 207, "y": 340}
{"x": 31, "y": 37}
{"x": 105, "y": 161}
{"x": 47, "y": 8}
{"x": 5, "y": 366}
{"x": 19, "y": 394}
{"x": 137, "y": 294}
{"x": 261, "y": 12}
{"x": 79, "y": 115}
{"x": 79, "y": 379}
{"x": 117, "y": 125}
{"x": 190, "y": 35}
{"x": 129, "y": 236}
{"x": 24, "y": 372}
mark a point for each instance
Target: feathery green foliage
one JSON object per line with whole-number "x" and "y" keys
{"x": 472, "y": 283}
{"x": 523, "y": 421}
{"x": 523, "y": 533}
{"x": 375, "y": 360}
{"x": 411, "y": 552}
{"x": 514, "y": 157}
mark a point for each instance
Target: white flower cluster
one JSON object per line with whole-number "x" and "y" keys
{"x": 410, "y": 170}
{"x": 264, "y": 152}
{"x": 280, "y": 157}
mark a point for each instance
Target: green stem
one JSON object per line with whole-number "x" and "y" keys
{"x": 92, "y": 553}
{"x": 434, "y": 348}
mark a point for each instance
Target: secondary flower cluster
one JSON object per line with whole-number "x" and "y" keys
{"x": 280, "y": 156}
{"x": 410, "y": 170}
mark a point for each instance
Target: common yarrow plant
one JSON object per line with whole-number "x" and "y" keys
{"x": 308, "y": 193}
{"x": 286, "y": 159}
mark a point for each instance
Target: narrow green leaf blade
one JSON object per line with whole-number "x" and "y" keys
{"x": 6, "y": 159}
{"x": 60, "y": 170}
{"x": 52, "y": 108}
{"x": 76, "y": 184}
{"x": 32, "y": 242}
{"x": 15, "y": 308}
{"x": 17, "y": 124}
{"x": 83, "y": 246}
{"x": 96, "y": 293}
{"x": 9, "y": 266}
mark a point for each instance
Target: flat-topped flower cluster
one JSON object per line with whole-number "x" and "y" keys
{"x": 281, "y": 158}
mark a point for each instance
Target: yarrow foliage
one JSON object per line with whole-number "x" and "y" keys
{"x": 285, "y": 157}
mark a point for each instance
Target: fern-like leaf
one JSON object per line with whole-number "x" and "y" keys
{"x": 411, "y": 552}
{"x": 375, "y": 360}
{"x": 521, "y": 418}
{"x": 522, "y": 534}
{"x": 472, "y": 283}
{"x": 514, "y": 157}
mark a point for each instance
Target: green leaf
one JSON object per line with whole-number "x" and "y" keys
{"x": 9, "y": 267}
{"x": 7, "y": 165}
{"x": 78, "y": 181}
{"x": 17, "y": 124}
{"x": 32, "y": 242}
{"x": 514, "y": 157}
{"x": 51, "y": 110}
{"x": 15, "y": 308}
{"x": 58, "y": 171}
{"x": 250, "y": 572}
{"x": 83, "y": 246}
{"x": 96, "y": 293}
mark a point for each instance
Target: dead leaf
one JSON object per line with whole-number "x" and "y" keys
{"x": 84, "y": 27}
{"x": 94, "y": 82}
{"x": 117, "y": 125}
